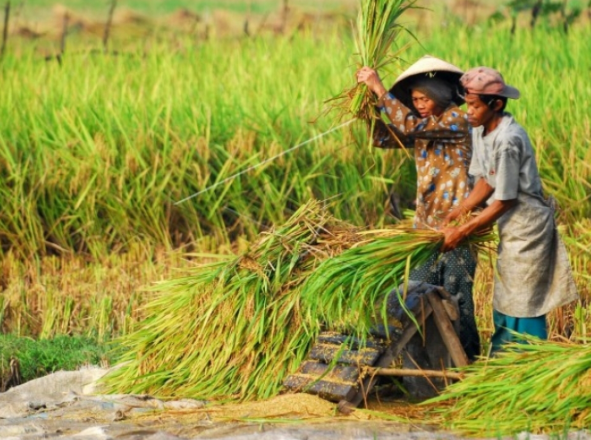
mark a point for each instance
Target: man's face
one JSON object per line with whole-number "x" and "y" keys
{"x": 478, "y": 112}
{"x": 424, "y": 105}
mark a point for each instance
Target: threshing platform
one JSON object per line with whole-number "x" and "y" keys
{"x": 344, "y": 369}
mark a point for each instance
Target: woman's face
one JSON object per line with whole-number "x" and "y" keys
{"x": 424, "y": 105}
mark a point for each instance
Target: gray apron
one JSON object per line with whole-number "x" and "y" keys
{"x": 533, "y": 272}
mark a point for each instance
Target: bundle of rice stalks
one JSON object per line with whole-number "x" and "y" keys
{"x": 232, "y": 328}
{"x": 344, "y": 290}
{"x": 377, "y": 30}
{"x": 235, "y": 328}
{"x": 536, "y": 387}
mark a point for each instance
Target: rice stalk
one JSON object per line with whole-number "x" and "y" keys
{"x": 343, "y": 290}
{"x": 376, "y": 31}
{"x": 230, "y": 328}
{"x": 539, "y": 387}
{"x": 235, "y": 328}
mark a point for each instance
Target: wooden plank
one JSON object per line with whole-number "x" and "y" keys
{"x": 337, "y": 372}
{"x": 409, "y": 330}
{"x": 388, "y": 357}
{"x": 443, "y": 294}
{"x": 328, "y": 352}
{"x": 450, "y": 338}
{"x": 451, "y": 309}
{"x": 333, "y": 391}
{"x": 350, "y": 341}
{"x": 297, "y": 382}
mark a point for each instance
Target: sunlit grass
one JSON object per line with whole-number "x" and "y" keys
{"x": 94, "y": 153}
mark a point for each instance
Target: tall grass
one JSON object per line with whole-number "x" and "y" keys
{"x": 94, "y": 153}
{"x": 98, "y": 150}
{"x": 74, "y": 295}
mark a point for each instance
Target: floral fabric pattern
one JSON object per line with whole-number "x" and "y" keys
{"x": 443, "y": 150}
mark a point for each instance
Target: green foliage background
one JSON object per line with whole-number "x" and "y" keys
{"x": 96, "y": 150}
{"x": 38, "y": 358}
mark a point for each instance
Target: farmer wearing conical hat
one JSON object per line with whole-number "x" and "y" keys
{"x": 533, "y": 273}
{"x": 422, "y": 107}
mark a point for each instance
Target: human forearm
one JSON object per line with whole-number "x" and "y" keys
{"x": 487, "y": 217}
{"x": 454, "y": 236}
{"x": 379, "y": 90}
{"x": 481, "y": 192}
{"x": 391, "y": 107}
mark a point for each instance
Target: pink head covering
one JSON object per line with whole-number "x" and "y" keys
{"x": 487, "y": 81}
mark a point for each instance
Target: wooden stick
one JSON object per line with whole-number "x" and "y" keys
{"x": 389, "y": 355}
{"x": 108, "y": 26}
{"x": 415, "y": 373}
{"x": 64, "y": 35}
{"x": 5, "y": 30}
{"x": 247, "y": 19}
{"x": 450, "y": 338}
{"x": 284, "y": 14}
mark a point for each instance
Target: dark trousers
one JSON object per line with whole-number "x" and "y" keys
{"x": 454, "y": 271}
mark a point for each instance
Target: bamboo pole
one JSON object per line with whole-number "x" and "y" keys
{"x": 108, "y": 25}
{"x": 64, "y": 36}
{"x": 284, "y": 14}
{"x": 5, "y": 30}
{"x": 246, "y": 28}
{"x": 415, "y": 373}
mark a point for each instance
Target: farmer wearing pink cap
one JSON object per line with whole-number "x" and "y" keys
{"x": 423, "y": 110}
{"x": 533, "y": 274}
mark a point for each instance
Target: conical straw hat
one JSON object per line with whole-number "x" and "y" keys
{"x": 427, "y": 66}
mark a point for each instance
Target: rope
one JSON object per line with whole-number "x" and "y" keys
{"x": 264, "y": 162}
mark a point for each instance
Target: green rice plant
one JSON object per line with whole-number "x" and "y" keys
{"x": 236, "y": 327}
{"x": 51, "y": 310}
{"x": 108, "y": 165}
{"x": 228, "y": 324}
{"x": 378, "y": 27}
{"x": 94, "y": 153}
{"x": 539, "y": 386}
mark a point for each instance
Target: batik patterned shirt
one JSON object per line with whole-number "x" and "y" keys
{"x": 443, "y": 150}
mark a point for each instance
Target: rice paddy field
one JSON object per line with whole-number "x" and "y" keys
{"x": 101, "y": 135}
